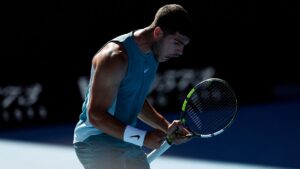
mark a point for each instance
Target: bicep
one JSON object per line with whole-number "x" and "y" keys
{"x": 109, "y": 71}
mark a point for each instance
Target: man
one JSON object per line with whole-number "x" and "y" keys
{"x": 121, "y": 76}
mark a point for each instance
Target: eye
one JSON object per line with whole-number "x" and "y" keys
{"x": 177, "y": 42}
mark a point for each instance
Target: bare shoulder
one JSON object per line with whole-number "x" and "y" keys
{"x": 112, "y": 55}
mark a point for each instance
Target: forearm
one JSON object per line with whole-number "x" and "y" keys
{"x": 152, "y": 118}
{"x": 115, "y": 128}
{"x": 108, "y": 124}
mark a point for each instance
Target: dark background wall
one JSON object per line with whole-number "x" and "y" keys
{"x": 48, "y": 45}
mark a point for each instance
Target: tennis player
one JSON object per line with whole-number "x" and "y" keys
{"x": 122, "y": 73}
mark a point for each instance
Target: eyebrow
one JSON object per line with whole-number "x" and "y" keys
{"x": 181, "y": 42}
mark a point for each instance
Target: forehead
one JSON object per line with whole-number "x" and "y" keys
{"x": 179, "y": 37}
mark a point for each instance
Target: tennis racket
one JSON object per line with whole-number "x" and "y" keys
{"x": 209, "y": 108}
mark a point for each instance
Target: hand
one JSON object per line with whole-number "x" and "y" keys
{"x": 177, "y": 133}
{"x": 154, "y": 139}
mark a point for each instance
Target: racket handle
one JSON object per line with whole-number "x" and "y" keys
{"x": 158, "y": 152}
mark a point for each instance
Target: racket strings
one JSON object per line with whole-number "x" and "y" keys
{"x": 219, "y": 113}
{"x": 208, "y": 123}
{"x": 210, "y": 108}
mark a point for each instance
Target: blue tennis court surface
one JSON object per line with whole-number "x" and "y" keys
{"x": 263, "y": 136}
{"x": 24, "y": 155}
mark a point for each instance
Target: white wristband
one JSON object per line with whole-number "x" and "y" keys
{"x": 134, "y": 135}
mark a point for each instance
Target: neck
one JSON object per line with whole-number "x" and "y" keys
{"x": 144, "y": 39}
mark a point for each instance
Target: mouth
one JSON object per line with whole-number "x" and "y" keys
{"x": 169, "y": 57}
{"x": 172, "y": 56}
{"x": 166, "y": 58}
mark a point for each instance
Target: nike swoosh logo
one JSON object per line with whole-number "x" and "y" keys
{"x": 146, "y": 70}
{"x": 136, "y": 136}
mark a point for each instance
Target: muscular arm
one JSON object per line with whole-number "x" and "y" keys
{"x": 151, "y": 117}
{"x": 110, "y": 65}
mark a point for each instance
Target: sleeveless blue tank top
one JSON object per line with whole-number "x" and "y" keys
{"x": 132, "y": 92}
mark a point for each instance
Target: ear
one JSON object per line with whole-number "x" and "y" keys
{"x": 158, "y": 33}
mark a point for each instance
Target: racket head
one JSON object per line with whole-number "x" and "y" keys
{"x": 209, "y": 108}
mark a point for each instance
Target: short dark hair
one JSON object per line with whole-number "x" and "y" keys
{"x": 172, "y": 18}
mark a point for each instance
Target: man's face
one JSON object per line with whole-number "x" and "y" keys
{"x": 171, "y": 45}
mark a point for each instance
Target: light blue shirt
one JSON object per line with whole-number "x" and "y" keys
{"x": 132, "y": 92}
